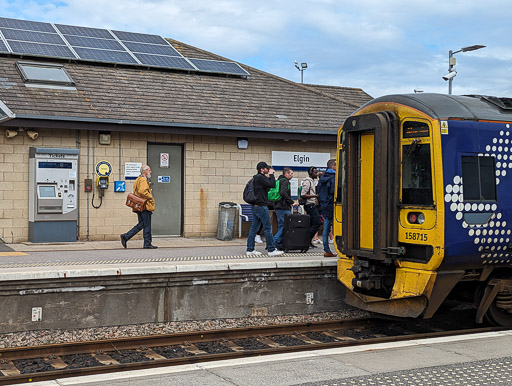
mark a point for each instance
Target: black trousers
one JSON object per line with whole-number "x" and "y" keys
{"x": 314, "y": 216}
{"x": 144, "y": 223}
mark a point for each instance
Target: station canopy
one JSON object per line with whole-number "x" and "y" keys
{"x": 48, "y": 40}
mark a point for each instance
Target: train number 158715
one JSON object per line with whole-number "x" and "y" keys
{"x": 416, "y": 236}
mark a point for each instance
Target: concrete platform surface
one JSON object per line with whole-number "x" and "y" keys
{"x": 30, "y": 261}
{"x": 474, "y": 359}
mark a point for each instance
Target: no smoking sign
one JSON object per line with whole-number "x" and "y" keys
{"x": 164, "y": 160}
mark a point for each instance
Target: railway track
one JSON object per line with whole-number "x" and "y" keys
{"x": 39, "y": 363}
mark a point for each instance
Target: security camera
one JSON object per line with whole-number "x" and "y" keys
{"x": 11, "y": 133}
{"x": 450, "y": 75}
{"x": 297, "y": 65}
{"x": 32, "y": 134}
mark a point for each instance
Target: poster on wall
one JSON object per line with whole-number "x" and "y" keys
{"x": 294, "y": 187}
{"x": 132, "y": 170}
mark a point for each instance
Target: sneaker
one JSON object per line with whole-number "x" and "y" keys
{"x": 258, "y": 239}
{"x": 253, "y": 253}
{"x": 331, "y": 241}
{"x": 275, "y": 252}
{"x": 330, "y": 254}
{"x": 317, "y": 241}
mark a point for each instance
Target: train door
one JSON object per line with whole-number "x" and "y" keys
{"x": 371, "y": 188}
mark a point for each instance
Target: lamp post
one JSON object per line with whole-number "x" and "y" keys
{"x": 451, "y": 63}
{"x": 302, "y": 67}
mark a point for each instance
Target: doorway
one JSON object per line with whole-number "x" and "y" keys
{"x": 166, "y": 163}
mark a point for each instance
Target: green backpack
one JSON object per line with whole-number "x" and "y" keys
{"x": 273, "y": 194}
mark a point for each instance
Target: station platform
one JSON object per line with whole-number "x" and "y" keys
{"x": 96, "y": 284}
{"x": 473, "y": 359}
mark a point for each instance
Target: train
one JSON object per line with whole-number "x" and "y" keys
{"x": 423, "y": 205}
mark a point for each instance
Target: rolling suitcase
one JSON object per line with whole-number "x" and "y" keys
{"x": 296, "y": 232}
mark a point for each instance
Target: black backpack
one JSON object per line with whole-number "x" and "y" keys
{"x": 249, "y": 196}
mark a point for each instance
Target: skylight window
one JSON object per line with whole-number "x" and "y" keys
{"x": 44, "y": 75}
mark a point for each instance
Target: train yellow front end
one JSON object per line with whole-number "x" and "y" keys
{"x": 387, "y": 218}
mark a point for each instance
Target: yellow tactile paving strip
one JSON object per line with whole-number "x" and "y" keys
{"x": 13, "y": 254}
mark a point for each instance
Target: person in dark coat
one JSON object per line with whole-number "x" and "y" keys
{"x": 283, "y": 206}
{"x": 263, "y": 182}
{"x": 325, "y": 191}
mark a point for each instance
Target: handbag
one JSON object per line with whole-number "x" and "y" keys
{"x": 136, "y": 203}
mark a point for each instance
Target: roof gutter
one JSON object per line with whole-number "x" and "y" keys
{"x": 42, "y": 121}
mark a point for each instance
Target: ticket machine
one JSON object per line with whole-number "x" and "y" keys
{"x": 53, "y": 194}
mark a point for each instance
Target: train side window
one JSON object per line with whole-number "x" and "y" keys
{"x": 478, "y": 178}
{"x": 416, "y": 174}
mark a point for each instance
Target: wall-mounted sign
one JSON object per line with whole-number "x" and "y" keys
{"x": 299, "y": 160}
{"x": 103, "y": 169}
{"x": 119, "y": 186}
{"x": 164, "y": 179}
{"x": 132, "y": 170}
{"x": 294, "y": 187}
{"x": 164, "y": 160}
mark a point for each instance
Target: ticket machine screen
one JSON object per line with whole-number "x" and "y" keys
{"x": 47, "y": 191}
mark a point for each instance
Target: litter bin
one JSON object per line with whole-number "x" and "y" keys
{"x": 227, "y": 221}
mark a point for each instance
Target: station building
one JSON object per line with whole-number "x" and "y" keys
{"x": 201, "y": 129}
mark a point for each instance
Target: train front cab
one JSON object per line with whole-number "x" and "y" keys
{"x": 391, "y": 237}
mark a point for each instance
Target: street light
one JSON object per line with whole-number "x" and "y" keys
{"x": 451, "y": 63}
{"x": 302, "y": 67}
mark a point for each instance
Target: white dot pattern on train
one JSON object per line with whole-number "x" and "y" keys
{"x": 493, "y": 237}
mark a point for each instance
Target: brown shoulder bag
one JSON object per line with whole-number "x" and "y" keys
{"x": 136, "y": 203}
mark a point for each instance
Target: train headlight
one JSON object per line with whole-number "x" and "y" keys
{"x": 416, "y": 218}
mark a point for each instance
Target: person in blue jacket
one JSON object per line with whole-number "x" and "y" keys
{"x": 325, "y": 191}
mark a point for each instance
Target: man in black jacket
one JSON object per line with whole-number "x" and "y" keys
{"x": 263, "y": 181}
{"x": 284, "y": 205}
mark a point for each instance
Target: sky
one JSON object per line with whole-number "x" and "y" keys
{"x": 382, "y": 47}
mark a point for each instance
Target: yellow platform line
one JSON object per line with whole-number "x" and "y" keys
{"x": 13, "y": 254}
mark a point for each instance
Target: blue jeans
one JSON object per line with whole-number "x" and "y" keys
{"x": 144, "y": 223}
{"x": 278, "y": 237}
{"x": 327, "y": 230}
{"x": 260, "y": 216}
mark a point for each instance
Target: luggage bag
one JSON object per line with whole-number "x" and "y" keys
{"x": 296, "y": 232}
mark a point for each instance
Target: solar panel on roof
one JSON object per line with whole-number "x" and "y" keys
{"x": 31, "y": 36}
{"x": 81, "y": 41}
{"x": 3, "y": 47}
{"x": 95, "y": 44}
{"x": 152, "y": 49}
{"x": 84, "y": 31}
{"x": 26, "y": 25}
{"x": 51, "y": 50}
{"x": 164, "y": 61}
{"x": 141, "y": 38}
{"x": 105, "y": 55}
{"x": 218, "y": 67}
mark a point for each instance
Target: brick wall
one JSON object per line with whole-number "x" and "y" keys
{"x": 215, "y": 170}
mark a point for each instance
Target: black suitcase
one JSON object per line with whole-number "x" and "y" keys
{"x": 296, "y": 232}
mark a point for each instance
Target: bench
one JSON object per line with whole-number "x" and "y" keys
{"x": 245, "y": 214}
